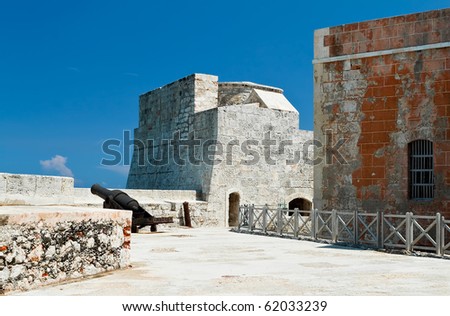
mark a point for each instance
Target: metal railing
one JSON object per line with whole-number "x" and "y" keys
{"x": 378, "y": 230}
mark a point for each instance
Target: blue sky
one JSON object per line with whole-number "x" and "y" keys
{"x": 71, "y": 71}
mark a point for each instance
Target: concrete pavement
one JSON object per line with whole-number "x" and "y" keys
{"x": 215, "y": 261}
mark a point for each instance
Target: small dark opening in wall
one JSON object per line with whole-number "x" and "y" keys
{"x": 301, "y": 204}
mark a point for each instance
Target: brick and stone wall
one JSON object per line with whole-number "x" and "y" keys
{"x": 380, "y": 85}
{"x": 41, "y": 245}
{"x": 383, "y": 34}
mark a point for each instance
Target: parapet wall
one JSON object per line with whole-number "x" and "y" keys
{"x": 419, "y": 29}
{"x": 22, "y": 189}
{"x": 84, "y": 196}
{"x": 160, "y": 203}
{"x": 40, "y": 245}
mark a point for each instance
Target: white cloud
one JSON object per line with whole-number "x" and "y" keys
{"x": 57, "y": 163}
{"x": 119, "y": 169}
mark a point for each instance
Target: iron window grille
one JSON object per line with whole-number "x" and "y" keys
{"x": 421, "y": 173}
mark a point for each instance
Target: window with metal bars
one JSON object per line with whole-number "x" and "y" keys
{"x": 421, "y": 174}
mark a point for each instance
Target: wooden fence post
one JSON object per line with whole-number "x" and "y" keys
{"x": 334, "y": 226}
{"x": 244, "y": 215}
{"x": 264, "y": 219}
{"x": 313, "y": 223}
{"x": 439, "y": 234}
{"x": 443, "y": 233}
{"x": 279, "y": 221}
{"x": 250, "y": 217}
{"x": 380, "y": 229}
{"x": 240, "y": 218}
{"x": 409, "y": 231}
{"x": 296, "y": 215}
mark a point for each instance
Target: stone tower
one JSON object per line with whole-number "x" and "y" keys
{"x": 232, "y": 142}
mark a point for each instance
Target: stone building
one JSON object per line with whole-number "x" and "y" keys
{"x": 232, "y": 142}
{"x": 382, "y": 102}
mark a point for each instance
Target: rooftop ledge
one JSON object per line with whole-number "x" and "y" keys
{"x": 250, "y": 85}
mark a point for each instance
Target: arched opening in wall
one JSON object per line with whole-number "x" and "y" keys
{"x": 233, "y": 211}
{"x": 301, "y": 204}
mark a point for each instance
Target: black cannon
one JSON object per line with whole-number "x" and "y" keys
{"x": 119, "y": 200}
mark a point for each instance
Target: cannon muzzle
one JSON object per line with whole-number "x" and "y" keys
{"x": 102, "y": 192}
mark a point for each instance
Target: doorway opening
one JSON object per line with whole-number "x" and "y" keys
{"x": 301, "y": 204}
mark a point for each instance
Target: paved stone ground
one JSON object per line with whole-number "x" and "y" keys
{"x": 207, "y": 261}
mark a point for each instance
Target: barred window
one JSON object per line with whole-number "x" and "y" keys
{"x": 421, "y": 174}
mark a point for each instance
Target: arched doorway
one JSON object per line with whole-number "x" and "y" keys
{"x": 301, "y": 204}
{"x": 233, "y": 211}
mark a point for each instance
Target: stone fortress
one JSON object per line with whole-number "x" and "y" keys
{"x": 232, "y": 142}
{"x": 382, "y": 86}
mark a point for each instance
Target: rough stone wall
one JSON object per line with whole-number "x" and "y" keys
{"x": 380, "y": 85}
{"x": 198, "y": 211}
{"x": 43, "y": 245}
{"x": 166, "y": 114}
{"x": 259, "y": 173}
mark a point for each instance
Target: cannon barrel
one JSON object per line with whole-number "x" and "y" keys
{"x": 102, "y": 192}
{"x": 117, "y": 199}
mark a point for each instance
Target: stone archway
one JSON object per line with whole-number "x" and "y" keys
{"x": 233, "y": 209}
{"x": 302, "y": 204}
